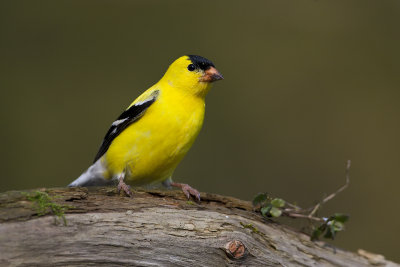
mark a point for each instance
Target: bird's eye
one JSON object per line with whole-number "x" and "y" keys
{"x": 191, "y": 67}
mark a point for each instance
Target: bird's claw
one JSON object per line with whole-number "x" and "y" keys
{"x": 126, "y": 188}
{"x": 186, "y": 189}
{"x": 190, "y": 191}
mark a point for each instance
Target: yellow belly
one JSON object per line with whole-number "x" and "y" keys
{"x": 151, "y": 148}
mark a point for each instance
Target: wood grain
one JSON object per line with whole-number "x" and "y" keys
{"x": 155, "y": 228}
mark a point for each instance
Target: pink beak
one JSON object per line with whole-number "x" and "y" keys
{"x": 211, "y": 75}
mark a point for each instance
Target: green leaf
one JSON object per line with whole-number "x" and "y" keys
{"x": 337, "y": 226}
{"x": 332, "y": 228}
{"x": 330, "y": 232}
{"x": 265, "y": 210}
{"x": 319, "y": 231}
{"x": 260, "y": 199}
{"x": 316, "y": 234}
{"x": 278, "y": 202}
{"x": 340, "y": 217}
{"x": 275, "y": 212}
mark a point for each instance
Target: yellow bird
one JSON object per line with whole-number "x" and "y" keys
{"x": 148, "y": 140}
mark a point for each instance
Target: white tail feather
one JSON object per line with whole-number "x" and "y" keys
{"x": 93, "y": 176}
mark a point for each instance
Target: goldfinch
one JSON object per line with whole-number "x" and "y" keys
{"x": 148, "y": 140}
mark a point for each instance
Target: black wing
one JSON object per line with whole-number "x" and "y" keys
{"x": 128, "y": 117}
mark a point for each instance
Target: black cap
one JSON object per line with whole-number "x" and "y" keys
{"x": 201, "y": 62}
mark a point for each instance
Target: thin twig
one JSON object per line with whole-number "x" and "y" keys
{"x": 326, "y": 199}
{"x": 294, "y": 207}
{"x": 299, "y": 215}
{"x": 295, "y": 211}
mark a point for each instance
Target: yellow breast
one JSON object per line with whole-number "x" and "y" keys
{"x": 151, "y": 148}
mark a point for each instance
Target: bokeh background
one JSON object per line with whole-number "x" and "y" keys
{"x": 308, "y": 85}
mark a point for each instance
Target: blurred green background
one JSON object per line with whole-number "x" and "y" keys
{"x": 308, "y": 85}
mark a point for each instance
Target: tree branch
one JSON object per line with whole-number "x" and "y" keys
{"x": 154, "y": 228}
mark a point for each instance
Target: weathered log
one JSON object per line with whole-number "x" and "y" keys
{"x": 155, "y": 228}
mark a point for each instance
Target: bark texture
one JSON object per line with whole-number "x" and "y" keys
{"x": 156, "y": 228}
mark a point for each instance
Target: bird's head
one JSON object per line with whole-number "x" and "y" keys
{"x": 193, "y": 74}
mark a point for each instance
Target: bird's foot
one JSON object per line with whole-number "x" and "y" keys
{"x": 126, "y": 188}
{"x": 187, "y": 190}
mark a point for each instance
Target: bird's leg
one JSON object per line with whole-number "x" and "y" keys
{"x": 122, "y": 185}
{"x": 186, "y": 189}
